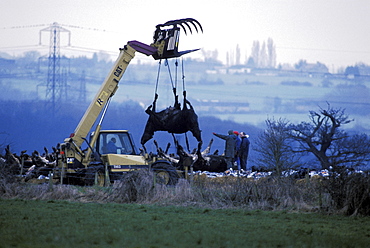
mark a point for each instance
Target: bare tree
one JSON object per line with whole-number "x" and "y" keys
{"x": 228, "y": 62}
{"x": 352, "y": 151}
{"x": 263, "y": 59}
{"x": 210, "y": 54}
{"x": 237, "y": 55}
{"x": 256, "y": 52}
{"x": 271, "y": 50}
{"x": 327, "y": 142}
{"x": 274, "y": 147}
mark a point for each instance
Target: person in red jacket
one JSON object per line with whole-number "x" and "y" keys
{"x": 238, "y": 141}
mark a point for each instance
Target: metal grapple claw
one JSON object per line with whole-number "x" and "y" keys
{"x": 166, "y": 37}
{"x": 183, "y": 21}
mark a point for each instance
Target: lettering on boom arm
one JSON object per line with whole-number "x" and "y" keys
{"x": 104, "y": 95}
{"x": 118, "y": 71}
{"x": 102, "y": 98}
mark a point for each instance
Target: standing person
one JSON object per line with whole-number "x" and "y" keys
{"x": 230, "y": 147}
{"x": 244, "y": 150}
{"x": 238, "y": 141}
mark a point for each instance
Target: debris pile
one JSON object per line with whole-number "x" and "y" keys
{"x": 28, "y": 166}
{"x": 38, "y": 166}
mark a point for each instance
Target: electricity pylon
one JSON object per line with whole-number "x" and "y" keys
{"x": 55, "y": 85}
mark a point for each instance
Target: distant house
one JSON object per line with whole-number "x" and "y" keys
{"x": 316, "y": 68}
{"x": 239, "y": 69}
{"x": 235, "y": 69}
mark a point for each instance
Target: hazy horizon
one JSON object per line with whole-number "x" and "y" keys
{"x": 330, "y": 32}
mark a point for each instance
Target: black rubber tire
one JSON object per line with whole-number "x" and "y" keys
{"x": 165, "y": 173}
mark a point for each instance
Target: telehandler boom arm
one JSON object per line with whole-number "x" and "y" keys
{"x": 107, "y": 90}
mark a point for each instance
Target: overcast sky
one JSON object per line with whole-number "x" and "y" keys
{"x": 334, "y": 32}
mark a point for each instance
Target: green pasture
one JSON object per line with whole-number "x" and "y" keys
{"x": 36, "y": 223}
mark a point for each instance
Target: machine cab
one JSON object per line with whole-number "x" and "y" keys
{"x": 115, "y": 142}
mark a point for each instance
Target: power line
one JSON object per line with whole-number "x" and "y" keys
{"x": 26, "y": 26}
{"x": 86, "y": 49}
{"x": 110, "y": 31}
{"x": 22, "y": 47}
{"x": 89, "y": 28}
{"x": 60, "y": 24}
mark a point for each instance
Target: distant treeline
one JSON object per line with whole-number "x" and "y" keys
{"x": 30, "y": 126}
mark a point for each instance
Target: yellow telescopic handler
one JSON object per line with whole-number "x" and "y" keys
{"x": 110, "y": 153}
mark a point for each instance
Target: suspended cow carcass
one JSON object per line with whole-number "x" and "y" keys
{"x": 173, "y": 120}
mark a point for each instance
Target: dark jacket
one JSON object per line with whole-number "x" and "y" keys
{"x": 238, "y": 143}
{"x": 230, "y": 144}
{"x": 244, "y": 147}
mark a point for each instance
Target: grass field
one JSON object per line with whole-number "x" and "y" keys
{"x": 37, "y": 223}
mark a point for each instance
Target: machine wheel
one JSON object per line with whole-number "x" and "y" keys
{"x": 165, "y": 173}
{"x": 95, "y": 172}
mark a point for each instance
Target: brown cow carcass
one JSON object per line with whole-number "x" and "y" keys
{"x": 173, "y": 120}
